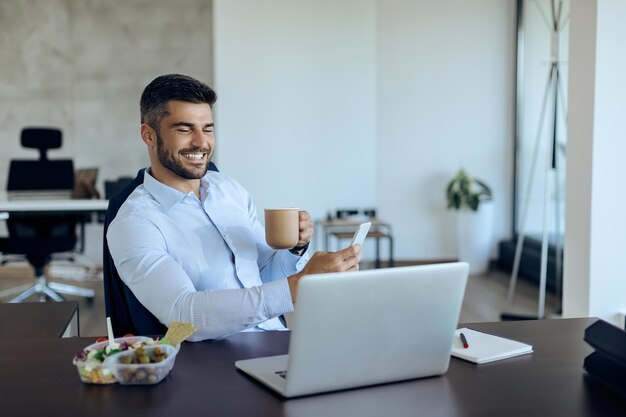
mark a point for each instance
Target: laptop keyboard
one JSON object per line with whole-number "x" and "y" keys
{"x": 282, "y": 374}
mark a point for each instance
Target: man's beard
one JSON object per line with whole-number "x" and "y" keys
{"x": 176, "y": 166}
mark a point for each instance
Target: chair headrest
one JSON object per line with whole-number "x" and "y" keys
{"x": 41, "y": 138}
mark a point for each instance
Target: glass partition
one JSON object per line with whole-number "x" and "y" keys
{"x": 541, "y": 136}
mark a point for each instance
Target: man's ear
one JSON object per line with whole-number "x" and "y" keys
{"x": 148, "y": 135}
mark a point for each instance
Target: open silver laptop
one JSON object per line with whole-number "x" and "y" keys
{"x": 369, "y": 327}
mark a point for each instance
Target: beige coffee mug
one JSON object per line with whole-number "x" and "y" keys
{"x": 282, "y": 227}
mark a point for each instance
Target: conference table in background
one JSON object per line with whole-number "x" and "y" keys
{"x": 550, "y": 382}
{"x": 68, "y": 205}
{"x": 52, "y": 206}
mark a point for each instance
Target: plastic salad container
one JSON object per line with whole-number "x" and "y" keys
{"x": 90, "y": 362}
{"x": 143, "y": 366}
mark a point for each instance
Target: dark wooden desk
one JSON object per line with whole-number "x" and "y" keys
{"x": 550, "y": 382}
{"x": 38, "y": 320}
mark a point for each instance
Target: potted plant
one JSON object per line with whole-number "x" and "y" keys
{"x": 465, "y": 191}
{"x": 471, "y": 198}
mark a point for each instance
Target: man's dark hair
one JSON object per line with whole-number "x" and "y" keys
{"x": 172, "y": 87}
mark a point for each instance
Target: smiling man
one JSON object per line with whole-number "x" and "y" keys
{"x": 188, "y": 243}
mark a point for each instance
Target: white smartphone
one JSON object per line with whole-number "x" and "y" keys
{"x": 360, "y": 234}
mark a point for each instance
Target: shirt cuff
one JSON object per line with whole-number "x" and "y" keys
{"x": 303, "y": 260}
{"x": 277, "y": 297}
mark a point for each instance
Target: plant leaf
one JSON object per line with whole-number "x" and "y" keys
{"x": 464, "y": 191}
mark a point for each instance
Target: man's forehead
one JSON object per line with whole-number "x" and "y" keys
{"x": 184, "y": 109}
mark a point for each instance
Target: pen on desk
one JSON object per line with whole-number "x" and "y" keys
{"x": 464, "y": 341}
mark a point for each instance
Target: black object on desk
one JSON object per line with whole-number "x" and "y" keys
{"x": 344, "y": 213}
{"x": 608, "y": 363}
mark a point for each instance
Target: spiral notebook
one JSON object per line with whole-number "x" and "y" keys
{"x": 484, "y": 347}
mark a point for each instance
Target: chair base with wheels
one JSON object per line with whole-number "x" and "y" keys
{"x": 47, "y": 291}
{"x": 38, "y": 251}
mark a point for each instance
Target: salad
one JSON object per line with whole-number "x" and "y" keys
{"x": 89, "y": 361}
{"x": 94, "y": 368}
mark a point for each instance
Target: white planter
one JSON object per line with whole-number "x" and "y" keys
{"x": 475, "y": 236}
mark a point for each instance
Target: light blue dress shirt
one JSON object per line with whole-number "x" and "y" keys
{"x": 203, "y": 261}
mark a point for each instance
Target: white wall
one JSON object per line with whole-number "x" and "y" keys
{"x": 81, "y": 66}
{"x": 594, "y": 272}
{"x": 445, "y": 89}
{"x": 296, "y": 113}
{"x": 360, "y": 103}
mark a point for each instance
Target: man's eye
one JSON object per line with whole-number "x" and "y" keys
{"x": 208, "y": 130}
{"x": 184, "y": 130}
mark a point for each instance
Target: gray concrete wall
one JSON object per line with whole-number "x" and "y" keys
{"x": 81, "y": 65}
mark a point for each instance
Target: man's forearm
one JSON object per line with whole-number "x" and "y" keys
{"x": 217, "y": 314}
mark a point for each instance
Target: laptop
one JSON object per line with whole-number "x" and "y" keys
{"x": 362, "y": 328}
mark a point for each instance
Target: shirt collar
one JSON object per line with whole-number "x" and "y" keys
{"x": 167, "y": 196}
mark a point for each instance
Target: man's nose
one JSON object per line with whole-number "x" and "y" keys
{"x": 199, "y": 139}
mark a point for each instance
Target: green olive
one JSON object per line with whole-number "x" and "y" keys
{"x": 126, "y": 359}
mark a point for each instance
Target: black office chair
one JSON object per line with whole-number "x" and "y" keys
{"x": 37, "y": 237}
{"x": 127, "y": 313}
{"x": 112, "y": 187}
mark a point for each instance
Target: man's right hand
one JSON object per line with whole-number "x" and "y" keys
{"x": 325, "y": 262}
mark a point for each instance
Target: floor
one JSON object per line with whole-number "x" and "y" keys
{"x": 485, "y": 297}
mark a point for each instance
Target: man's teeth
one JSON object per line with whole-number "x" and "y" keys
{"x": 193, "y": 155}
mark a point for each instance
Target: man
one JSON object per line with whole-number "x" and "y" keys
{"x": 187, "y": 241}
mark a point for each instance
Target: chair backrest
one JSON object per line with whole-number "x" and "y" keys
{"x": 43, "y": 174}
{"x": 112, "y": 187}
{"x": 127, "y": 313}
{"x": 42, "y": 138}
